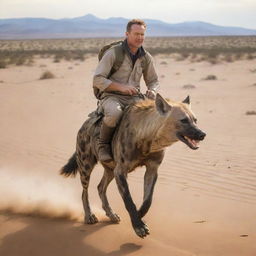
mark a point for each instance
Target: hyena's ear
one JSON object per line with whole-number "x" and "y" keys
{"x": 187, "y": 100}
{"x": 162, "y": 105}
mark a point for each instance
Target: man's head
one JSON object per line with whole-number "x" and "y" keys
{"x": 135, "y": 33}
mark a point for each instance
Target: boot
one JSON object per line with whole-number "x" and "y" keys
{"x": 106, "y": 133}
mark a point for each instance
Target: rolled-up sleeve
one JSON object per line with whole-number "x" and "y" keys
{"x": 100, "y": 78}
{"x": 150, "y": 75}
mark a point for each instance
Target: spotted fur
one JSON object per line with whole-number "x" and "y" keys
{"x": 145, "y": 130}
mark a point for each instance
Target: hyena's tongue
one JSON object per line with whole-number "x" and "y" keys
{"x": 194, "y": 143}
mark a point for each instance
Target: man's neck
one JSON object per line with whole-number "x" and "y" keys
{"x": 133, "y": 50}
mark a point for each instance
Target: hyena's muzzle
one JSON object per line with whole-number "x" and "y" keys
{"x": 190, "y": 134}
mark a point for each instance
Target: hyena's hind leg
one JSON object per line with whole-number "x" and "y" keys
{"x": 85, "y": 170}
{"x": 86, "y": 162}
{"x": 102, "y": 188}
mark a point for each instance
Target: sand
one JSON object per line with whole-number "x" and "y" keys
{"x": 204, "y": 201}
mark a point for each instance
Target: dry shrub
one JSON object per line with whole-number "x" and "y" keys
{"x": 200, "y": 58}
{"x": 180, "y": 57}
{"x": 21, "y": 61}
{"x": 210, "y": 77}
{"x": 228, "y": 58}
{"x": 3, "y": 64}
{"x": 214, "y": 61}
{"x": 30, "y": 62}
{"x": 47, "y": 75}
{"x": 250, "y": 57}
{"x": 250, "y": 113}
{"x": 56, "y": 59}
{"x": 189, "y": 86}
{"x": 238, "y": 56}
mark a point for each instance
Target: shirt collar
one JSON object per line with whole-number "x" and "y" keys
{"x": 140, "y": 52}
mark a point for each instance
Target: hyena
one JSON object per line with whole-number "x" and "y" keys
{"x": 145, "y": 130}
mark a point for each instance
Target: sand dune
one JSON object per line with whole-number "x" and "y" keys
{"x": 204, "y": 202}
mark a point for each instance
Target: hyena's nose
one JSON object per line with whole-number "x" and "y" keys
{"x": 202, "y": 135}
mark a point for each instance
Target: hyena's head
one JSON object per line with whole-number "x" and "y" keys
{"x": 180, "y": 122}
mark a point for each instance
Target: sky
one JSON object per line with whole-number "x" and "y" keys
{"x": 240, "y": 13}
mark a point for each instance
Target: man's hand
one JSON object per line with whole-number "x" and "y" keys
{"x": 151, "y": 94}
{"x": 129, "y": 90}
{"x": 124, "y": 89}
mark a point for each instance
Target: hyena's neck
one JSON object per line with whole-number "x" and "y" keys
{"x": 161, "y": 142}
{"x": 152, "y": 129}
{"x": 148, "y": 125}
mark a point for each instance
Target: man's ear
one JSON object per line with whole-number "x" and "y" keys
{"x": 187, "y": 100}
{"x": 162, "y": 105}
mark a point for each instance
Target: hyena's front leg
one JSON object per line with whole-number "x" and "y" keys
{"x": 139, "y": 226}
{"x": 152, "y": 164}
{"x": 149, "y": 184}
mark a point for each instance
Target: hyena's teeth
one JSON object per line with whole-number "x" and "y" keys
{"x": 193, "y": 142}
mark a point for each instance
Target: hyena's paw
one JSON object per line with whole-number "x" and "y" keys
{"x": 91, "y": 219}
{"x": 141, "y": 229}
{"x": 114, "y": 217}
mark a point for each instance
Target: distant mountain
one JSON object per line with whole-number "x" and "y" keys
{"x": 91, "y": 26}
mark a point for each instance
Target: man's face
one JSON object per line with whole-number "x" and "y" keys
{"x": 135, "y": 37}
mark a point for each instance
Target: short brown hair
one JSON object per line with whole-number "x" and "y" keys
{"x": 135, "y": 21}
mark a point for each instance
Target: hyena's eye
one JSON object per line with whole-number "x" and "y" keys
{"x": 185, "y": 120}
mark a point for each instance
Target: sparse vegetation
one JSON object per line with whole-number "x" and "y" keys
{"x": 210, "y": 77}
{"x": 189, "y": 86}
{"x": 250, "y": 113}
{"x": 2, "y": 64}
{"x": 195, "y": 49}
{"x": 47, "y": 75}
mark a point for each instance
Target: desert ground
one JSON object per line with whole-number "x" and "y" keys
{"x": 204, "y": 201}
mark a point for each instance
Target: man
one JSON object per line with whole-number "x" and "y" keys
{"x": 122, "y": 87}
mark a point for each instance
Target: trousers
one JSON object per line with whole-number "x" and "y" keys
{"x": 112, "y": 107}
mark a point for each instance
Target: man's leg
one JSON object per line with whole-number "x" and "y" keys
{"x": 112, "y": 110}
{"x": 106, "y": 134}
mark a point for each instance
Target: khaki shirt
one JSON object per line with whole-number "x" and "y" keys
{"x": 127, "y": 74}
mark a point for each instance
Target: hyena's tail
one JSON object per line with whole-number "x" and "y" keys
{"x": 70, "y": 169}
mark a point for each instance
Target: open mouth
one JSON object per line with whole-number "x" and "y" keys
{"x": 192, "y": 143}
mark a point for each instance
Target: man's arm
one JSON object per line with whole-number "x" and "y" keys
{"x": 101, "y": 81}
{"x": 124, "y": 89}
{"x": 150, "y": 77}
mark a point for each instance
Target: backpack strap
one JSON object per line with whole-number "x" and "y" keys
{"x": 119, "y": 58}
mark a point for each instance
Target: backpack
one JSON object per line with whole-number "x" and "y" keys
{"x": 119, "y": 53}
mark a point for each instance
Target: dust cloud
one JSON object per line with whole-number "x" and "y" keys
{"x": 39, "y": 195}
